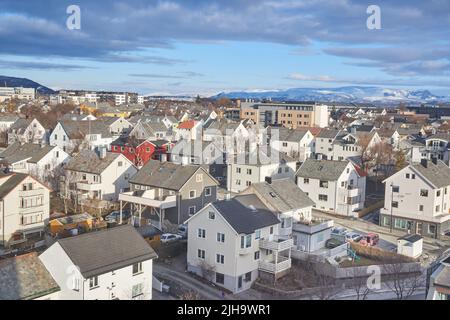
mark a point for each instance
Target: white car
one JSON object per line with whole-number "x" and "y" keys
{"x": 170, "y": 237}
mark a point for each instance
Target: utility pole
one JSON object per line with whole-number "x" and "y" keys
{"x": 392, "y": 208}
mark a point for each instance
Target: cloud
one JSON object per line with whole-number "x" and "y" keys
{"x": 302, "y": 77}
{"x": 179, "y": 75}
{"x": 10, "y": 64}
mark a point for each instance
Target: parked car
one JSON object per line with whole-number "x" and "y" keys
{"x": 339, "y": 231}
{"x": 332, "y": 243}
{"x": 170, "y": 237}
{"x": 182, "y": 230}
{"x": 115, "y": 216}
{"x": 353, "y": 236}
{"x": 370, "y": 239}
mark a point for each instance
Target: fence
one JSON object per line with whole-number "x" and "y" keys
{"x": 322, "y": 255}
{"x": 371, "y": 208}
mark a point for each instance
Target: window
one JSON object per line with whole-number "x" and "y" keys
{"x": 286, "y": 222}
{"x": 395, "y": 189}
{"x": 199, "y": 177}
{"x": 220, "y": 258}
{"x": 93, "y": 282}
{"x": 201, "y": 233}
{"x": 394, "y": 204}
{"x": 256, "y": 255}
{"x": 423, "y": 192}
{"x": 420, "y": 207}
{"x": 192, "y": 194}
{"x": 271, "y": 230}
{"x": 306, "y": 181}
{"x": 137, "y": 290}
{"x": 323, "y": 184}
{"x": 147, "y": 149}
{"x": 399, "y": 223}
{"x": 238, "y": 170}
{"x": 246, "y": 241}
{"x": 220, "y": 278}
{"x": 438, "y": 193}
{"x": 207, "y": 191}
{"x": 249, "y": 171}
{"x": 431, "y": 229}
{"x": 248, "y": 277}
{"x": 438, "y": 208}
{"x": 120, "y": 163}
{"x": 220, "y": 237}
{"x": 407, "y": 176}
{"x": 56, "y": 137}
{"x": 286, "y": 170}
{"x": 257, "y": 234}
{"x": 248, "y": 183}
{"x": 285, "y": 144}
{"x": 211, "y": 215}
{"x": 238, "y": 182}
{"x": 323, "y": 197}
{"x": 201, "y": 253}
{"x": 413, "y": 176}
{"x": 137, "y": 268}
{"x": 192, "y": 210}
{"x": 280, "y": 170}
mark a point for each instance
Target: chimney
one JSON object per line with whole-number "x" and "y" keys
{"x": 268, "y": 180}
{"x": 424, "y": 163}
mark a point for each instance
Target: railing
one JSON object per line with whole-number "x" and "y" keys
{"x": 313, "y": 226}
{"x": 163, "y": 203}
{"x": 276, "y": 244}
{"x": 88, "y": 186}
{"x": 272, "y": 267}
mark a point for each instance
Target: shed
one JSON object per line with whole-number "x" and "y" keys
{"x": 410, "y": 245}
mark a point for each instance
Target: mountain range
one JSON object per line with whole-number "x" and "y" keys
{"x": 349, "y": 94}
{"x": 23, "y": 82}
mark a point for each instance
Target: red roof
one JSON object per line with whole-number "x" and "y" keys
{"x": 360, "y": 171}
{"x": 314, "y": 130}
{"x": 189, "y": 124}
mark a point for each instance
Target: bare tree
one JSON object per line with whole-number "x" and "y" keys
{"x": 326, "y": 287}
{"x": 359, "y": 283}
{"x": 189, "y": 295}
{"x": 207, "y": 270}
{"x": 404, "y": 280}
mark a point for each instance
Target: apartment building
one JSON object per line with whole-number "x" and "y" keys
{"x": 232, "y": 244}
{"x": 334, "y": 186}
{"x": 24, "y": 208}
{"x": 290, "y": 115}
{"x": 7, "y": 93}
{"x": 112, "y": 264}
{"x": 417, "y": 199}
{"x": 297, "y": 143}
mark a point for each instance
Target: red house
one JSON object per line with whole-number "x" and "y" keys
{"x": 139, "y": 151}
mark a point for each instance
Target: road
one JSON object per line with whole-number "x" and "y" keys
{"x": 184, "y": 279}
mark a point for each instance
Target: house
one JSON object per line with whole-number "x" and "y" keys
{"x": 334, "y": 186}
{"x": 73, "y": 136}
{"x": 218, "y": 130}
{"x": 390, "y": 136}
{"x": 27, "y": 131}
{"x": 24, "y": 209}
{"x": 138, "y": 151}
{"x": 232, "y": 244}
{"x": 170, "y": 191}
{"x": 117, "y": 125}
{"x": 39, "y": 160}
{"x": 111, "y": 264}
{"x": 410, "y": 245}
{"x": 438, "y": 280}
{"x": 25, "y": 277}
{"x": 149, "y": 131}
{"x": 189, "y": 130}
{"x": 7, "y": 120}
{"x": 97, "y": 175}
{"x": 417, "y": 199}
{"x": 78, "y": 117}
{"x": 438, "y": 146}
{"x": 253, "y": 166}
{"x": 297, "y": 143}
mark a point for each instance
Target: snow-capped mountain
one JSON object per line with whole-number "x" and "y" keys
{"x": 342, "y": 94}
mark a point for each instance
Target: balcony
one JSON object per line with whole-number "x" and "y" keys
{"x": 147, "y": 198}
{"x": 277, "y": 244}
{"x": 313, "y": 226}
{"x": 88, "y": 186}
{"x": 31, "y": 193}
{"x": 282, "y": 264}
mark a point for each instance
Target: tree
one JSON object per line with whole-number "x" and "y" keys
{"x": 189, "y": 295}
{"x": 207, "y": 270}
{"x": 359, "y": 283}
{"x": 400, "y": 160}
{"x": 404, "y": 279}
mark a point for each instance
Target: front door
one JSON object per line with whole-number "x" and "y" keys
{"x": 239, "y": 282}
{"x": 419, "y": 228}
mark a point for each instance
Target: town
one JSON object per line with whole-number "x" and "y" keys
{"x": 118, "y": 196}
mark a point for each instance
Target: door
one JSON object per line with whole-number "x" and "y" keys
{"x": 419, "y": 228}
{"x": 239, "y": 282}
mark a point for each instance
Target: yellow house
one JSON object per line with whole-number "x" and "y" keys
{"x": 83, "y": 220}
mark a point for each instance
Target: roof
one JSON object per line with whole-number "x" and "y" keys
{"x": 25, "y": 277}
{"x": 103, "y": 251}
{"x": 189, "y": 124}
{"x": 294, "y": 135}
{"x": 12, "y": 181}
{"x": 244, "y": 219}
{"x": 31, "y": 151}
{"x": 438, "y": 174}
{"x": 411, "y": 237}
{"x": 259, "y": 156}
{"x": 440, "y": 135}
{"x": 282, "y": 195}
{"x": 5, "y": 117}
{"x": 89, "y": 161}
{"x": 76, "y": 218}
{"x": 328, "y": 133}
{"x": 329, "y": 170}
{"x": 78, "y": 129}
{"x": 20, "y": 124}
{"x": 165, "y": 175}
{"x": 443, "y": 278}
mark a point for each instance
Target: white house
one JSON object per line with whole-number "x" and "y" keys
{"x": 189, "y": 130}
{"x": 417, "y": 199}
{"x": 6, "y": 121}
{"x": 231, "y": 244}
{"x": 27, "y": 131}
{"x": 39, "y": 160}
{"x": 297, "y": 143}
{"x": 334, "y": 186}
{"x": 24, "y": 208}
{"x": 98, "y": 175}
{"x": 112, "y": 264}
{"x": 410, "y": 245}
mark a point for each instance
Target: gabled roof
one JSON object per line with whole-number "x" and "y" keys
{"x": 24, "y": 278}
{"x": 98, "y": 252}
{"x": 188, "y": 124}
{"x": 89, "y": 161}
{"x": 244, "y": 219}
{"x": 20, "y": 124}
{"x": 19, "y": 152}
{"x": 293, "y": 135}
{"x": 9, "y": 182}
{"x": 165, "y": 175}
{"x": 438, "y": 174}
{"x": 328, "y": 133}
{"x": 282, "y": 195}
{"x": 79, "y": 129}
{"x": 440, "y": 135}
{"x": 329, "y": 170}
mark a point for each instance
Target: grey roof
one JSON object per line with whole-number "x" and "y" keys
{"x": 259, "y": 156}
{"x": 89, "y": 161}
{"x": 98, "y": 252}
{"x": 20, "y": 124}
{"x": 18, "y": 152}
{"x": 328, "y": 133}
{"x": 6, "y": 117}
{"x": 223, "y": 126}
{"x": 438, "y": 174}
{"x": 443, "y": 278}
{"x": 282, "y": 195}
{"x": 293, "y": 135}
{"x": 25, "y": 277}
{"x": 78, "y": 129}
{"x": 244, "y": 219}
{"x": 12, "y": 181}
{"x": 440, "y": 135}
{"x": 411, "y": 237}
{"x": 329, "y": 170}
{"x": 165, "y": 175}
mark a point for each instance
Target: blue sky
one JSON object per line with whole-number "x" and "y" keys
{"x": 208, "y": 46}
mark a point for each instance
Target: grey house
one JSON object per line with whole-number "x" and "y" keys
{"x": 169, "y": 191}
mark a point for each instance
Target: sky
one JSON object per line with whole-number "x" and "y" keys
{"x": 209, "y": 46}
